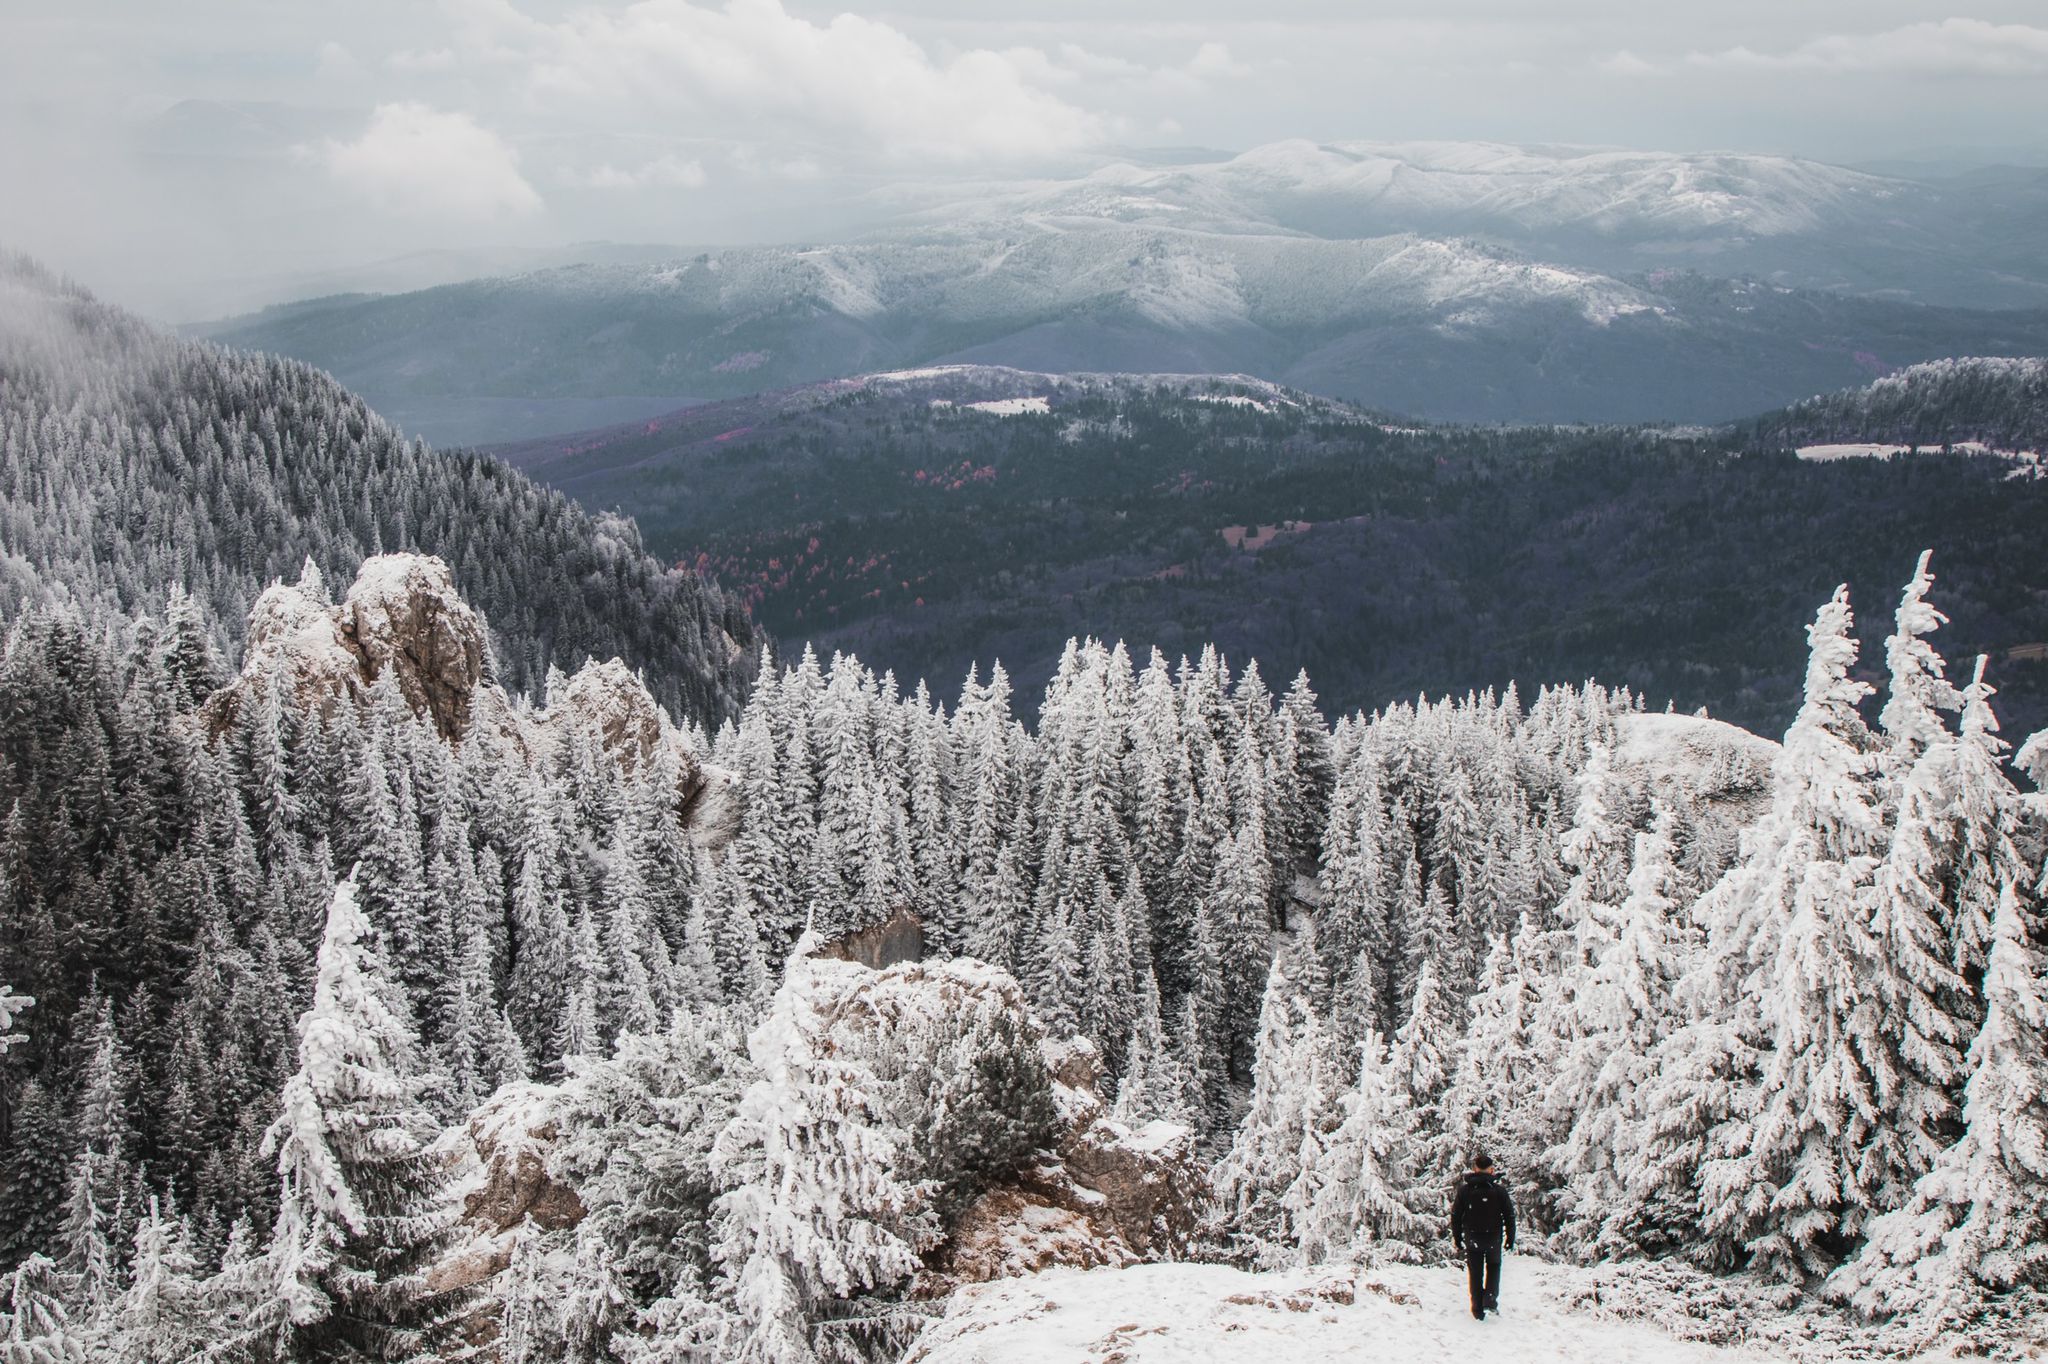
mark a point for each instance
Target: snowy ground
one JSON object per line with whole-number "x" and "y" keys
{"x": 1180, "y": 1313}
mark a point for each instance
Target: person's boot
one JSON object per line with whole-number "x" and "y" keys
{"x": 1479, "y": 1311}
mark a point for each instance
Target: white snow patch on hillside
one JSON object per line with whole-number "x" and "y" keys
{"x": 1010, "y": 407}
{"x": 1161, "y": 1313}
{"x": 1682, "y": 743}
{"x": 1886, "y": 450}
{"x": 1848, "y": 450}
{"x": 847, "y": 282}
{"x": 1233, "y": 400}
{"x": 901, "y": 376}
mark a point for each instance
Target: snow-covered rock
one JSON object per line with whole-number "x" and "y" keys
{"x": 1708, "y": 762}
{"x": 1107, "y": 1194}
{"x": 403, "y": 614}
{"x": 513, "y": 1135}
{"x": 608, "y": 701}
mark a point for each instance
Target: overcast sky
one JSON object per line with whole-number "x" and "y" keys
{"x": 195, "y": 156}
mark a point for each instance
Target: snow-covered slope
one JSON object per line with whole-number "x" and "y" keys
{"x": 1792, "y": 220}
{"x": 1156, "y": 1313}
{"x": 1983, "y": 404}
{"x": 1018, "y": 268}
{"x": 1363, "y": 188}
{"x": 1458, "y": 280}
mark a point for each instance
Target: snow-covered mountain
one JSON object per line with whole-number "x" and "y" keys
{"x": 1795, "y": 221}
{"x": 1446, "y": 327}
{"x": 624, "y": 1036}
{"x": 1368, "y": 188}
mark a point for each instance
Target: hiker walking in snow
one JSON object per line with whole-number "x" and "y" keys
{"x": 1481, "y": 1215}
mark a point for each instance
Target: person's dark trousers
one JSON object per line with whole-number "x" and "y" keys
{"x": 1482, "y": 1272}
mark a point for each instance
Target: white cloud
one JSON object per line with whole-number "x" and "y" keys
{"x": 419, "y": 161}
{"x": 1214, "y": 59}
{"x": 335, "y": 62}
{"x": 664, "y": 172}
{"x": 856, "y": 83}
{"x": 1626, "y": 63}
{"x": 1951, "y": 47}
{"x": 1211, "y": 61}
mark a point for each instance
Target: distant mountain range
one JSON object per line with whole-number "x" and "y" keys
{"x": 1452, "y": 281}
{"x": 1964, "y": 241}
{"x": 930, "y": 518}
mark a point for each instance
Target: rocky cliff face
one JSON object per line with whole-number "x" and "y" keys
{"x": 403, "y": 618}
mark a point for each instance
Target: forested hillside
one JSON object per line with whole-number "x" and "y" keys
{"x": 2000, "y": 403}
{"x": 368, "y": 991}
{"x": 931, "y": 519}
{"x": 134, "y": 465}
{"x": 1775, "y": 1010}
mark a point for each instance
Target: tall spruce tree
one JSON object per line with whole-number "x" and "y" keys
{"x": 364, "y": 1207}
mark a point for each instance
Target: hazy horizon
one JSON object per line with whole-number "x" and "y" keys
{"x": 230, "y": 153}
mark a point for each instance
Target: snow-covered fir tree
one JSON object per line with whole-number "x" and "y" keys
{"x": 820, "y": 1212}
{"x": 1700, "y": 994}
{"x": 363, "y": 1208}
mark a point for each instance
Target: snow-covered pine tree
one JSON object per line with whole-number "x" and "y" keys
{"x": 1364, "y": 1194}
{"x": 1977, "y": 1223}
{"x": 1798, "y": 1168}
{"x": 1928, "y": 1008}
{"x": 1266, "y": 1183}
{"x": 84, "y": 1238}
{"x": 538, "y": 985}
{"x": 1497, "y": 1089}
{"x": 1919, "y": 690}
{"x": 161, "y": 1317}
{"x": 1155, "y": 1082}
{"x": 1983, "y": 817}
{"x": 1351, "y": 929}
{"x": 1423, "y": 1055}
{"x": 818, "y": 1216}
{"x": 1624, "y": 1010}
{"x": 363, "y": 1205}
{"x": 35, "y": 1328}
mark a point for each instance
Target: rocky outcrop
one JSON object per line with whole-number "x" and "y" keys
{"x": 514, "y": 1134}
{"x": 507, "y": 1194}
{"x": 1106, "y": 1194}
{"x": 404, "y": 615}
{"x": 898, "y": 938}
{"x": 609, "y": 704}
{"x": 1099, "y": 1192}
{"x": 403, "y": 618}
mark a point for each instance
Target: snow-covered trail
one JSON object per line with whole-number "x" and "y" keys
{"x": 1179, "y": 1314}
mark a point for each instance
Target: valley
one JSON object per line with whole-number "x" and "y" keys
{"x": 929, "y": 519}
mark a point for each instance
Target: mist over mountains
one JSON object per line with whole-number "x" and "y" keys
{"x": 1453, "y": 281}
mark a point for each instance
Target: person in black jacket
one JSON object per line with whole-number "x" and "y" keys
{"x": 1481, "y": 1216}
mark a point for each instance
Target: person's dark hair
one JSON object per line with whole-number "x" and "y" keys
{"x": 1481, "y": 1161}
